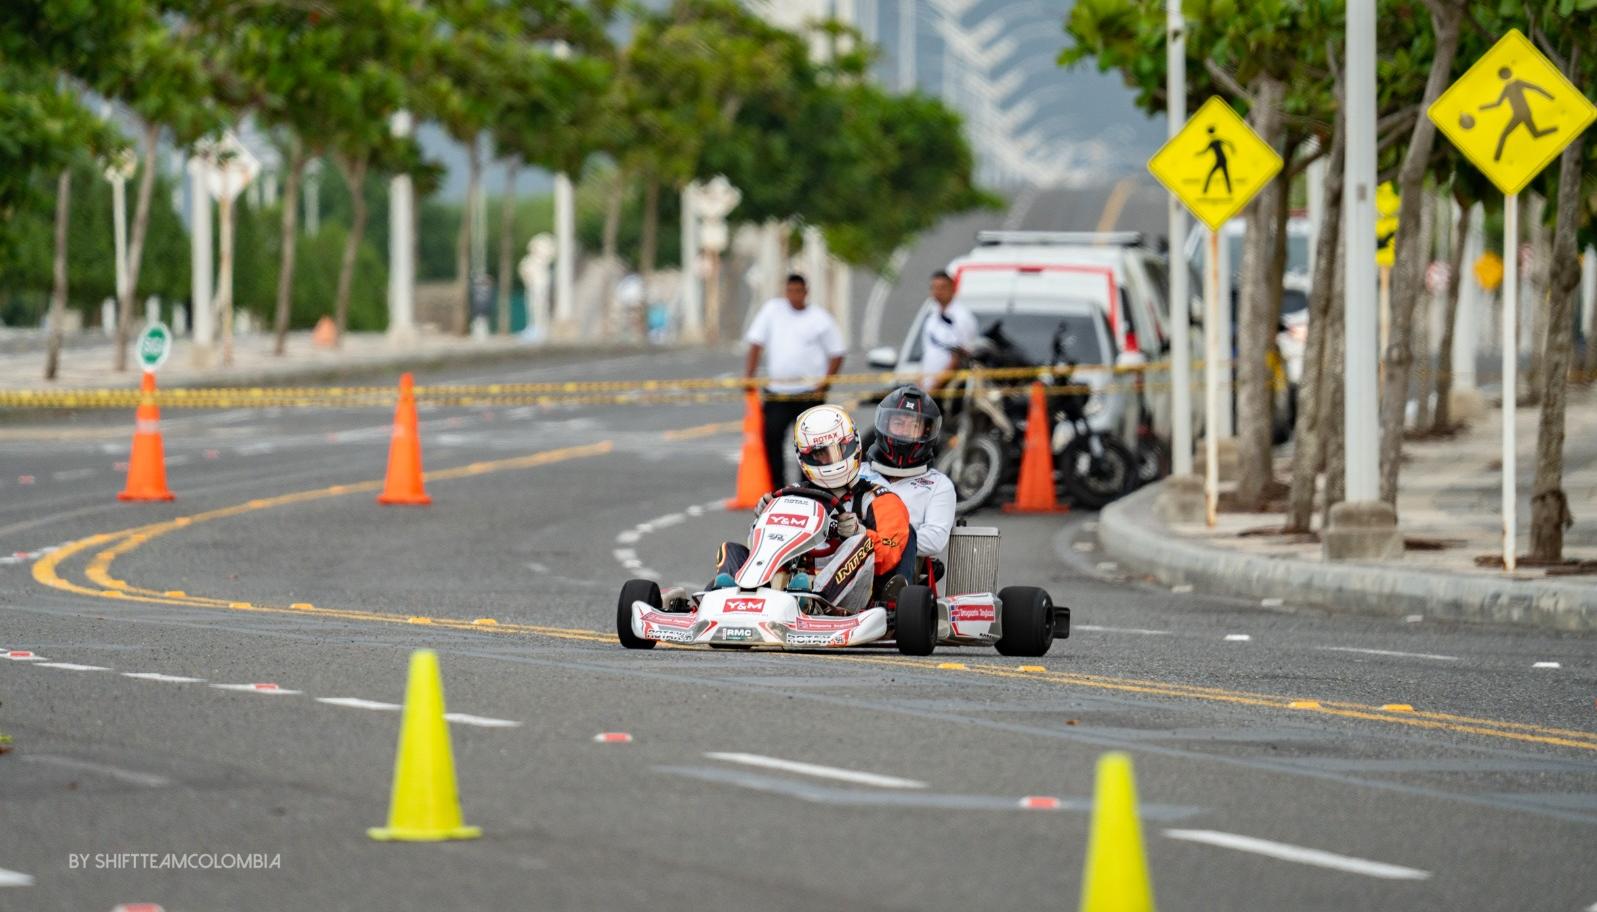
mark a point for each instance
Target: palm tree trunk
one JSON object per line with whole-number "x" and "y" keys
{"x": 507, "y": 231}
{"x": 355, "y": 174}
{"x": 58, "y": 292}
{"x": 1333, "y": 396}
{"x": 224, "y": 275}
{"x": 612, "y": 215}
{"x": 1425, "y": 371}
{"x": 1308, "y": 437}
{"x": 1549, "y": 505}
{"x": 463, "y": 242}
{"x": 1255, "y": 324}
{"x": 648, "y": 244}
{"x": 141, "y": 226}
{"x": 1409, "y": 279}
{"x": 289, "y": 241}
{"x": 1442, "y": 417}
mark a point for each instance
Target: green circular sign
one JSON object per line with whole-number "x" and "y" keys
{"x": 154, "y": 345}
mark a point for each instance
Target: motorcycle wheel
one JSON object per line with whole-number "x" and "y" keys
{"x": 976, "y": 478}
{"x": 1153, "y": 459}
{"x": 1092, "y": 483}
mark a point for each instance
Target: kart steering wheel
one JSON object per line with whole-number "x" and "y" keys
{"x": 825, "y": 498}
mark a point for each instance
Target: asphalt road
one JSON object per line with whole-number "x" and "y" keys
{"x": 1273, "y": 771}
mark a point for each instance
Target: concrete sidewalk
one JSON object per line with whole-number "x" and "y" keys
{"x": 86, "y": 362}
{"x": 1448, "y": 510}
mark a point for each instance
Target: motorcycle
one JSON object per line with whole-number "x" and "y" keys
{"x": 987, "y": 437}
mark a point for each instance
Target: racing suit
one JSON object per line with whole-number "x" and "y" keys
{"x": 930, "y": 498}
{"x": 884, "y": 519}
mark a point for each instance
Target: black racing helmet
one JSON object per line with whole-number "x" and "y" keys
{"x": 908, "y": 422}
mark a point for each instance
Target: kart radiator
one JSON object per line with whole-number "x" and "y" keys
{"x": 972, "y": 561}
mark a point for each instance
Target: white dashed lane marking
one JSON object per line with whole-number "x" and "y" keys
{"x": 481, "y": 721}
{"x": 1389, "y": 652}
{"x": 271, "y": 689}
{"x": 357, "y": 703}
{"x": 71, "y": 666}
{"x": 133, "y": 777}
{"x": 1284, "y": 852}
{"x": 823, "y": 772}
{"x": 14, "y": 879}
{"x": 157, "y": 676}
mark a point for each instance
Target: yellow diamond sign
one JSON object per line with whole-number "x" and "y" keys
{"x": 1215, "y": 164}
{"x": 1512, "y": 113}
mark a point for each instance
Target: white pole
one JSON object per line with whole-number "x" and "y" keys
{"x": 1358, "y": 231}
{"x": 906, "y": 45}
{"x": 1315, "y": 175}
{"x": 1180, "y": 295}
{"x": 692, "y": 291}
{"x": 1211, "y": 378}
{"x": 200, "y": 263}
{"x": 1510, "y": 373}
{"x": 565, "y": 255}
{"x": 401, "y": 246}
{"x": 1223, "y": 424}
{"x": 1466, "y": 331}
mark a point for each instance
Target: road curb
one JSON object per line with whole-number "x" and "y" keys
{"x": 1131, "y": 534}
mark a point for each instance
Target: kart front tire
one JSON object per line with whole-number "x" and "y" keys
{"x": 916, "y": 623}
{"x": 1028, "y": 622}
{"x": 638, "y": 590}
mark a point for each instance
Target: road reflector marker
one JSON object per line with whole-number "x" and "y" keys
{"x": 1547, "y": 665}
{"x": 23, "y": 655}
{"x": 952, "y": 666}
{"x": 257, "y": 688}
{"x": 1181, "y": 588}
{"x": 1040, "y": 803}
{"x": 1413, "y": 618}
{"x": 303, "y": 606}
{"x": 613, "y": 738}
{"x": 240, "y": 605}
{"x": 1304, "y": 704}
{"x": 24, "y": 479}
{"x": 1398, "y": 708}
{"x": 1272, "y": 602}
{"x": 1237, "y": 638}
{"x": 485, "y": 622}
{"x": 420, "y": 620}
{"x": 138, "y": 907}
{"x": 1032, "y": 668}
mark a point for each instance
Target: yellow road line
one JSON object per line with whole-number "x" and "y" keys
{"x": 114, "y": 545}
{"x": 1115, "y": 204}
{"x": 703, "y": 430}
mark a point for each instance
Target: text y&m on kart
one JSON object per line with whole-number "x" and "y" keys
{"x": 751, "y": 605}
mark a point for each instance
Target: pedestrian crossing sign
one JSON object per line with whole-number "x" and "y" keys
{"x": 1216, "y": 164}
{"x": 1512, "y": 112}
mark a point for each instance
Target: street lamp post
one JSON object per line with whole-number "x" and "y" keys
{"x": 692, "y": 300}
{"x": 200, "y": 277}
{"x": 401, "y": 244}
{"x": 231, "y": 168}
{"x": 715, "y": 201}
{"x": 117, "y": 171}
{"x": 1180, "y": 296}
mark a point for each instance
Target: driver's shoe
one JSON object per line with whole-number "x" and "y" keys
{"x": 675, "y": 600}
{"x": 892, "y": 586}
{"x": 723, "y": 581}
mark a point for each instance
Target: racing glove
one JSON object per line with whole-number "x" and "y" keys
{"x": 765, "y": 501}
{"x": 847, "y": 525}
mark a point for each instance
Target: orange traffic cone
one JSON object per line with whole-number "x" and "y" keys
{"x": 147, "y": 464}
{"x": 754, "y": 473}
{"x": 326, "y": 333}
{"x": 404, "y": 483}
{"x": 1034, "y": 491}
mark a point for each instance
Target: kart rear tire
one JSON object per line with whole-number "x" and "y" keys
{"x": 1028, "y": 622}
{"x": 916, "y": 624}
{"x": 638, "y": 590}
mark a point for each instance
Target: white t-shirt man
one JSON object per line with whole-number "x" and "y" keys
{"x": 798, "y": 344}
{"x": 946, "y": 329}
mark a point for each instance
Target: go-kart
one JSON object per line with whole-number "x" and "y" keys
{"x": 801, "y": 588}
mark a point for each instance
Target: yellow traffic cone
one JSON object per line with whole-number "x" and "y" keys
{"x": 425, "y": 806}
{"x": 1116, "y": 877}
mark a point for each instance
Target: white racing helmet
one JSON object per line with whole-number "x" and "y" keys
{"x": 828, "y": 447}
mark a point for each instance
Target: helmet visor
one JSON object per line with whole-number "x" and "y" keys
{"x": 830, "y": 453}
{"x": 907, "y": 426}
